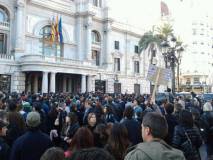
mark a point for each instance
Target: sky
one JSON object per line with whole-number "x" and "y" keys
{"x": 135, "y": 12}
{"x": 145, "y": 13}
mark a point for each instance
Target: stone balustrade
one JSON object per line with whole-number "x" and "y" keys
{"x": 6, "y": 56}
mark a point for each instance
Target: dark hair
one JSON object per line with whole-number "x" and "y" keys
{"x": 118, "y": 141}
{"x": 157, "y": 124}
{"x": 37, "y": 106}
{"x": 3, "y": 115}
{"x": 169, "y": 108}
{"x": 128, "y": 112}
{"x": 16, "y": 119}
{"x": 137, "y": 100}
{"x": 186, "y": 118}
{"x": 83, "y": 138}
{"x": 101, "y": 135}
{"x": 53, "y": 153}
{"x": 88, "y": 101}
{"x": 12, "y": 105}
{"x": 73, "y": 118}
{"x": 108, "y": 109}
{"x": 91, "y": 154}
{"x": 169, "y": 90}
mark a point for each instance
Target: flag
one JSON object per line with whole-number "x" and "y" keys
{"x": 56, "y": 28}
{"x": 60, "y": 30}
{"x": 52, "y": 38}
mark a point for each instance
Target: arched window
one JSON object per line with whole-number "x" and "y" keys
{"x": 48, "y": 46}
{"x": 3, "y": 15}
{"x": 95, "y": 37}
{"x": 4, "y": 31}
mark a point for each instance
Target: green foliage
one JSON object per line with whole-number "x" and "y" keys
{"x": 165, "y": 30}
{"x": 150, "y": 40}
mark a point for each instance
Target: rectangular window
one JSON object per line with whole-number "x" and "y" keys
{"x": 5, "y": 81}
{"x": 117, "y": 88}
{"x": 137, "y": 89}
{"x": 96, "y": 57}
{"x": 188, "y": 81}
{"x": 136, "y": 66}
{"x": 194, "y": 31}
{"x": 196, "y": 80}
{"x": 136, "y": 49}
{"x": 95, "y": 3}
{"x": 117, "y": 64}
{"x": 3, "y": 43}
{"x": 117, "y": 45}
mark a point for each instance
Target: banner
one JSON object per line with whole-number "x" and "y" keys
{"x": 165, "y": 75}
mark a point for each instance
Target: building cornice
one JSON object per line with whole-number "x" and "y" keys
{"x": 65, "y": 7}
{"x": 126, "y": 32}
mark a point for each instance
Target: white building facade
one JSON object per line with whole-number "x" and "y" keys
{"x": 97, "y": 54}
{"x": 193, "y": 23}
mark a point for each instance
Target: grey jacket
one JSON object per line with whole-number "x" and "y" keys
{"x": 155, "y": 150}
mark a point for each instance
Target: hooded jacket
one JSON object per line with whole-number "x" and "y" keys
{"x": 155, "y": 150}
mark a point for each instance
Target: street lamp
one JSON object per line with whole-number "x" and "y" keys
{"x": 179, "y": 57}
{"x": 169, "y": 49}
{"x": 154, "y": 61}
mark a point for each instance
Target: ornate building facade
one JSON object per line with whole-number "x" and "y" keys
{"x": 97, "y": 53}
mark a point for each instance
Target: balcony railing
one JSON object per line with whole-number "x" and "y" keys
{"x": 57, "y": 60}
{"x": 4, "y": 25}
{"x": 6, "y": 56}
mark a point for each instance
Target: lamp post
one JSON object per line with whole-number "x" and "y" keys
{"x": 170, "y": 48}
{"x": 153, "y": 62}
{"x": 179, "y": 57}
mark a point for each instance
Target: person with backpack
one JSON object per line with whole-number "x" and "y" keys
{"x": 187, "y": 137}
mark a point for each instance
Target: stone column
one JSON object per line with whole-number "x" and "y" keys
{"x": 70, "y": 85}
{"x": 52, "y": 82}
{"x": 89, "y": 83}
{"x": 83, "y": 84}
{"x": 18, "y": 82}
{"x": 78, "y": 35}
{"x": 20, "y": 28}
{"x": 89, "y": 38}
{"x": 64, "y": 84}
{"x": 107, "y": 59}
{"x": 35, "y": 86}
{"x": 29, "y": 80}
{"x": 45, "y": 82}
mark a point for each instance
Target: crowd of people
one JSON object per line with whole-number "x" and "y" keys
{"x": 90, "y": 126}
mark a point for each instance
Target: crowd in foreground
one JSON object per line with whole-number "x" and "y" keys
{"x": 104, "y": 126}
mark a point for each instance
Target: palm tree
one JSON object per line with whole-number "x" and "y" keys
{"x": 151, "y": 42}
{"x": 164, "y": 31}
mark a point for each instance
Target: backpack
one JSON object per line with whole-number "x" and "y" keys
{"x": 188, "y": 149}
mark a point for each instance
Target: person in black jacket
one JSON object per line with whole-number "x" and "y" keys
{"x": 33, "y": 143}
{"x": 184, "y": 131}
{"x": 133, "y": 127}
{"x": 171, "y": 120}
